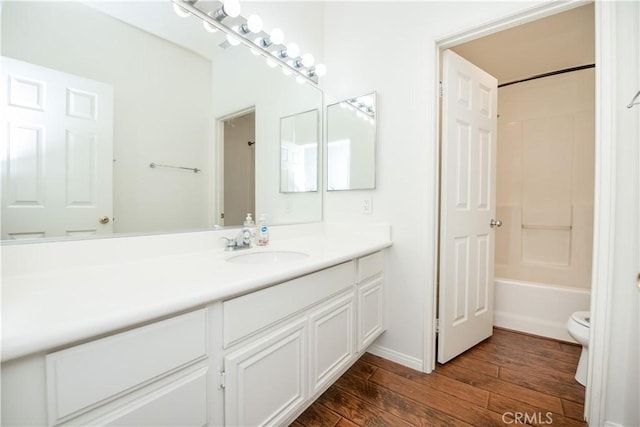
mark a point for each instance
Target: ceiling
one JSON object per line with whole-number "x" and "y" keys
{"x": 557, "y": 42}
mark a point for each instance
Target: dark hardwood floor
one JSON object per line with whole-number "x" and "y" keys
{"x": 509, "y": 379}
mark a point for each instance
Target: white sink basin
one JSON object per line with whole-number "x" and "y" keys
{"x": 267, "y": 257}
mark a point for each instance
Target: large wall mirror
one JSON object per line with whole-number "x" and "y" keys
{"x": 159, "y": 85}
{"x": 351, "y": 144}
{"x": 299, "y": 150}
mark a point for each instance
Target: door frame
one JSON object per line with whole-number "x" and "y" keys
{"x": 604, "y": 196}
{"x": 218, "y": 196}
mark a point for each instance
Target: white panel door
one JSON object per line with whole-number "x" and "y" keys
{"x": 57, "y": 153}
{"x": 469, "y": 123}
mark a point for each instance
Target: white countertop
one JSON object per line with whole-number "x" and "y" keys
{"x": 56, "y": 307}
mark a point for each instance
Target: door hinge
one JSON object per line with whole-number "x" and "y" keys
{"x": 437, "y": 325}
{"x": 441, "y": 89}
{"x": 222, "y": 381}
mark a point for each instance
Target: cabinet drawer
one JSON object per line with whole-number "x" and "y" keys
{"x": 370, "y": 266}
{"x": 249, "y": 313}
{"x": 84, "y": 376}
{"x": 180, "y": 404}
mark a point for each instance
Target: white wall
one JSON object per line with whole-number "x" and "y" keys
{"x": 390, "y": 48}
{"x": 544, "y": 182}
{"x": 623, "y": 385}
{"x": 151, "y": 96}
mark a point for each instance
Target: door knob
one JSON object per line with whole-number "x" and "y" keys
{"x": 495, "y": 223}
{"x": 103, "y": 220}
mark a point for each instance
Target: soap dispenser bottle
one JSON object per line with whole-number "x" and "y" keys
{"x": 251, "y": 226}
{"x": 263, "y": 230}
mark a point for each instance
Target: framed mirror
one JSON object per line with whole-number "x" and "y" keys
{"x": 299, "y": 150}
{"x": 351, "y": 144}
{"x": 166, "y": 81}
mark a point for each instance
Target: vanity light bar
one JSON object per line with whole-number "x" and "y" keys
{"x": 260, "y": 43}
{"x": 361, "y": 107}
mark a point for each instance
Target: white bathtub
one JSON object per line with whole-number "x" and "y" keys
{"x": 537, "y": 308}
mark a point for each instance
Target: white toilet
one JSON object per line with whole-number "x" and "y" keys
{"x": 578, "y": 326}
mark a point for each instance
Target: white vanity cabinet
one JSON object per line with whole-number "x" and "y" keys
{"x": 286, "y": 344}
{"x": 271, "y": 379}
{"x": 153, "y": 375}
{"x": 150, "y": 375}
{"x": 257, "y": 359}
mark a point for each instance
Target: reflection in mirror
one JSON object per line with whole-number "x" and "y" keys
{"x": 239, "y": 168}
{"x": 351, "y": 144}
{"x": 299, "y": 152}
{"x": 165, "y": 81}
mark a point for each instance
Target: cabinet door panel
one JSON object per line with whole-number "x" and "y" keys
{"x": 180, "y": 404}
{"x": 332, "y": 341}
{"x": 266, "y": 381}
{"x": 370, "y": 312}
{"x": 86, "y": 375}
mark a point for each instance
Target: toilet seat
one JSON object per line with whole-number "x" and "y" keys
{"x": 582, "y": 317}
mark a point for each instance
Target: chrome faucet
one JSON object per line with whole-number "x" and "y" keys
{"x": 241, "y": 241}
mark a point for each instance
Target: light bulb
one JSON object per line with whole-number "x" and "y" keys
{"x": 277, "y": 36}
{"x": 233, "y": 41}
{"x": 181, "y": 11}
{"x": 231, "y": 8}
{"x": 271, "y": 63}
{"x": 307, "y": 60}
{"x": 210, "y": 28}
{"x": 293, "y": 50}
{"x": 321, "y": 70}
{"x": 368, "y": 101}
{"x": 254, "y": 23}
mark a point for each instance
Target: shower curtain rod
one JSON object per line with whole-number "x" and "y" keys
{"x": 551, "y": 73}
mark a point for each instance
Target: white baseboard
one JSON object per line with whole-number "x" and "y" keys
{"x": 397, "y": 357}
